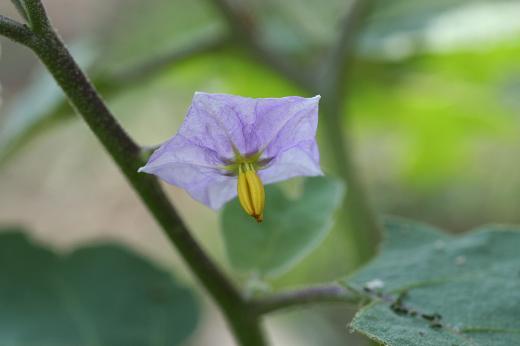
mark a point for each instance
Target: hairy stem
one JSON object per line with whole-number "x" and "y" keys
{"x": 37, "y": 17}
{"x": 127, "y": 154}
{"x": 15, "y": 31}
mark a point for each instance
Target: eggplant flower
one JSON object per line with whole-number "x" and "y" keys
{"x": 231, "y": 145}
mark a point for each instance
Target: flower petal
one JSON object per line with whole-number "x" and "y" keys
{"x": 219, "y": 122}
{"x": 300, "y": 160}
{"x": 194, "y": 168}
{"x": 284, "y": 123}
{"x": 283, "y": 129}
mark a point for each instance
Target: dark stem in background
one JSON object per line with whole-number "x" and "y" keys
{"x": 127, "y": 154}
{"x": 115, "y": 83}
{"x": 242, "y": 27}
{"x": 331, "y": 84}
{"x": 147, "y": 69}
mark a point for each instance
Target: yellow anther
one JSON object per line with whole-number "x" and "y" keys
{"x": 251, "y": 191}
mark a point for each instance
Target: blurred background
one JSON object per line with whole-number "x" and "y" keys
{"x": 433, "y": 102}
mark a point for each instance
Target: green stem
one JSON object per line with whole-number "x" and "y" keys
{"x": 127, "y": 154}
{"x": 328, "y": 293}
{"x": 37, "y": 17}
{"x": 15, "y": 31}
{"x": 362, "y": 223}
{"x": 364, "y": 227}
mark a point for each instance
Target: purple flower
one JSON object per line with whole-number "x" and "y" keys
{"x": 230, "y": 145}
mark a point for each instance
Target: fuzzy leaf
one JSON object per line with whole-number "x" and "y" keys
{"x": 99, "y": 295}
{"x": 291, "y": 228}
{"x": 429, "y": 288}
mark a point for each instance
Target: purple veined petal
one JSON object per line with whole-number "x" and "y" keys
{"x": 194, "y": 168}
{"x": 221, "y": 191}
{"x": 284, "y": 123}
{"x": 180, "y": 149}
{"x": 219, "y": 122}
{"x": 300, "y": 160}
{"x": 282, "y": 129}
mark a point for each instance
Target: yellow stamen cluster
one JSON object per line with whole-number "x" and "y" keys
{"x": 251, "y": 192}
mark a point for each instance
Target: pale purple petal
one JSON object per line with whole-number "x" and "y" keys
{"x": 288, "y": 131}
{"x": 284, "y": 123}
{"x": 282, "y": 129}
{"x": 219, "y": 122}
{"x": 300, "y": 160}
{"x": 196, "y": 169}
{"x": 271, "y": 124}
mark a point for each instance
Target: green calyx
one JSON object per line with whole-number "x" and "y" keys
{"x": 243, "y": 163}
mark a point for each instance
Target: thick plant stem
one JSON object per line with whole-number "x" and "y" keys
{"x": 37, "y": 17}
{"x": 82, "y": 95}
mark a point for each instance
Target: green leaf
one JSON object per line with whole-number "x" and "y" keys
{"x": 99, "y": 295}
{"x": 291, "y": 229}
{"x": 430, "y": 288}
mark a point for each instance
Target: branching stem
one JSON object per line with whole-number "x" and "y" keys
{"x": 15, "y": 31}
{"x": 243, "y": 316}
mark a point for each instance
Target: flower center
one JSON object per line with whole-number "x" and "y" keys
{"x": 250, "y": 189}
